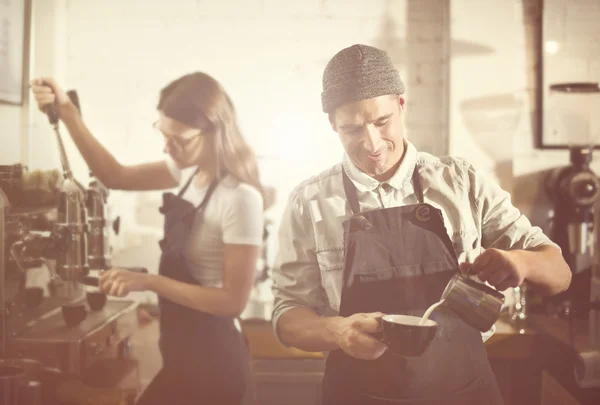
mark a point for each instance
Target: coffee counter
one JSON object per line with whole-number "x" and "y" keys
{"x": 536, "y": 364}
{"x": 533, "y": 364}
{"x": 511, "y": 341}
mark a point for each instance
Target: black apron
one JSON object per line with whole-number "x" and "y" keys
{"x": 204, "y": 355}
{"x": 398, "y": 261}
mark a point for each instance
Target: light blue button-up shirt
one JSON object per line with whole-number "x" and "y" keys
{"x": 309, "y": 264}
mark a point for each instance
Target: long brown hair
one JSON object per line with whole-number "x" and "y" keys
{"x": 196, "y": 98}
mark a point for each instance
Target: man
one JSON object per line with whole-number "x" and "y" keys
{"x": 383, "y": 232}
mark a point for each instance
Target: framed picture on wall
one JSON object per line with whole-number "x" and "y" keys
{"x": 569, "y": 81}
{"x": 14, "y": 38}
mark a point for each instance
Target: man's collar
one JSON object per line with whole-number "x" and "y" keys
{"x": 402, "y": 176}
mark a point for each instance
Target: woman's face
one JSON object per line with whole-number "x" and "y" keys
{"x": 183, "y": 143}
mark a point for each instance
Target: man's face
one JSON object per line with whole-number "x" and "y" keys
{"x": 372, "y": 134}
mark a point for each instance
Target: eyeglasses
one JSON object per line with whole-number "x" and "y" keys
{"x": 178, "y": 142}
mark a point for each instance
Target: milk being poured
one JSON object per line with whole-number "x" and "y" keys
{"x": 429, "y": 311}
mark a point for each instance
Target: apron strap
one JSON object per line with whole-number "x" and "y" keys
{"x": 352, "y": 194}
{"x": 209, "y": 192}
{"x": 211, "y": 188}
{"x": 417, "y": 187}
{"x": 187, "y": 184}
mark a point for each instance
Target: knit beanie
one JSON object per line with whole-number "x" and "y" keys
{"x": 357, "y": 73}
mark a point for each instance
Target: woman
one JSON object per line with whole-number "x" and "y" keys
{"x": 213, "y": 233}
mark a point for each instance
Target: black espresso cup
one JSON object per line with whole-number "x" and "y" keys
{"x": 73, "y": 315}
{"x": 404, "y": 336}
{"x": 96, "y": 300}
{"x": 34, "y": 297}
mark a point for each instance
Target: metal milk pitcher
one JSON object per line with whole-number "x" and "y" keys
{"x": 477, "y": 304}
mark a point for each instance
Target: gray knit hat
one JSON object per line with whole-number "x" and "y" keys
{"x": 357, "y": 73}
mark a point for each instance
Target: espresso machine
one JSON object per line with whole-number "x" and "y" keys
{"x": 574, "y": 191}
{"x": 60, "y": 322}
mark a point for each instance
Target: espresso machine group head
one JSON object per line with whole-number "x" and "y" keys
{"x": 72, "y": 225}
{"x": 79, "y": 240}
{"x": 99, "y": 250}
{"x": 94, "y": 201}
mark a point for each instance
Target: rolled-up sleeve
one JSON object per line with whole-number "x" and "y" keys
{"x": 502, "y": 224}
{"x": 296, "y": 275}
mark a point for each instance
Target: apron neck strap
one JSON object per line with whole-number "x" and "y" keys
{"x": 209, "y": 192}
{"x": 211, "y": 188}
{"x": 352, "y": 194}
{"x": 417, "y": 187}
{"x": 187, "y": 184}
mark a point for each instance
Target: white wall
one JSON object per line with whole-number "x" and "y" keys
{"x": 530, "y": 165}
{"x": 25, "y": 136}
{"x": 494, "y": 80}
{"x": 485, "y": 104}
{"x": 474, "y": 80}
{"x": 11, "y": 116}
{"x": 268, "y": 54}
{"x": 571, "y": 53}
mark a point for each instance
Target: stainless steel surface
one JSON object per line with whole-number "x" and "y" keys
{"x": 71, "y": 226}
{"x": 68, "y": 290}
{"x": 475, "y": 303}
{"x": 3, "y": 206}
{"x": 17, "y": 324}
{"x": 518, "y": 310}
{"x": 66, "y": 242}
{"x": 74, "y": 349}
{"x": 72, "y": 263}
{"x": 10, "y": 379}
{"x": 37, "y": 244}
{"x": 578, "y": 237}
{"x": 32, "y": 212}
{"x": 98, "y": 235}
{"x": 28, "y": 365}
{"x": 63, "y": 154}
{"x": 30, "y": 393}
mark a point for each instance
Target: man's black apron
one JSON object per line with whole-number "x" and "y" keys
{"x": 398, "y": 261}
{"x": 204, "y": 356}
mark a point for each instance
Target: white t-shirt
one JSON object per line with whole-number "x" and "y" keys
{"x": 234, "y": 215}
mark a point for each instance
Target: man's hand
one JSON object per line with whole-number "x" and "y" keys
{"x": 500, "y": 268}
{"x": 354, "y": 335}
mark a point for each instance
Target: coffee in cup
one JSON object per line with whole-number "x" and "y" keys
{"x": 404, "y": 335}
